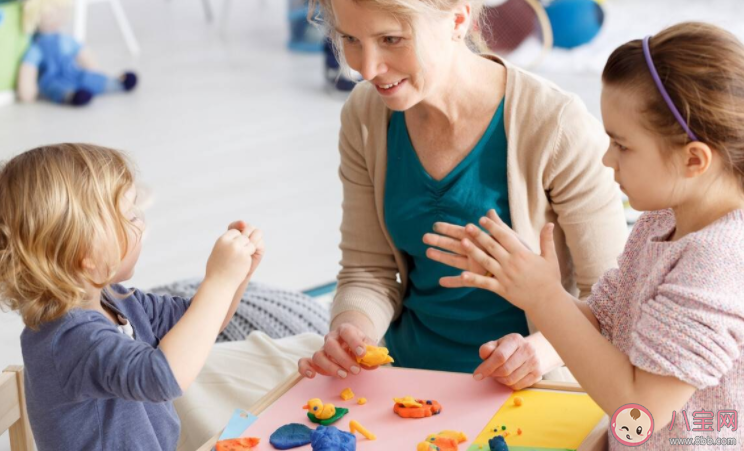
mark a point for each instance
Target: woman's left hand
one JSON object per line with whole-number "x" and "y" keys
{"x": 511, "y": 360}
{"x": 519, "y": 275}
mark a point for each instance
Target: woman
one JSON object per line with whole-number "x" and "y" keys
{"x": 440, "y": 134}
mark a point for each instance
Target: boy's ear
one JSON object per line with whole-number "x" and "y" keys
{"x": 697, "y": 159}
{"x": 87, "y": 264}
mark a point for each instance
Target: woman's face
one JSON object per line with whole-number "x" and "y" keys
{"x": 404, "y": 68}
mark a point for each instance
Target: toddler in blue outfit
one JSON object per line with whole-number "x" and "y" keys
{"x": 103, "y": 362}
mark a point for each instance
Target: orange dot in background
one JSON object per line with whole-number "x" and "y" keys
{"x": 362, "y": 401}
{"x": 518, "y": 401}
{"x": 519, "y": 431}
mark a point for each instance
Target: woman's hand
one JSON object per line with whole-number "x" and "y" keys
{"x": 520, "y": 276}
{"x": 449, "y": 237}
{"x": 337, "y": 357}
{"x": 512, "y": 360}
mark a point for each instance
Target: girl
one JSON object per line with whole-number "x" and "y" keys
{"x": 666, "y": 329}
{"x": 103, "y": 363}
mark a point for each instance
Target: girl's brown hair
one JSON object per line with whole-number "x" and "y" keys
{"x": 702, "y": 69}
{"x": 60, "y": 204}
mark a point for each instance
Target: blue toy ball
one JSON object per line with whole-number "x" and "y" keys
{"x": 574, "y": 22}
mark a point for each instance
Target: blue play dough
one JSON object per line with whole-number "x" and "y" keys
{"x": 291, "y": 436}
{"x": 331, "y": 439}
{"x": 498, "y": 444}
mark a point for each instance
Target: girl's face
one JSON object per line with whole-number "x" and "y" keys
{"x": 134, "y": 237}
{"x": 646, "y": 173}
{"x": 404, "y": 69}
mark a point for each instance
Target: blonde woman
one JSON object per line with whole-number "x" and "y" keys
{"x": 438, "y": 133}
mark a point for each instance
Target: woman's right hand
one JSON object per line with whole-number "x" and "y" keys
{"x": 337, "y": 357}
{"x": 231, "y": 258}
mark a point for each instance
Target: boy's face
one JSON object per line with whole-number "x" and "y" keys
{"x": 134, "y": 216}
{"x": 646, "y": 173}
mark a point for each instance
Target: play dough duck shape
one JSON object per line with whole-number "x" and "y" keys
{"x": 375, "y": 356}
{"x": 324, "y": 414}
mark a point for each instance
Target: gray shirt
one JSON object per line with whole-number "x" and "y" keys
{"x": 91, "y": 387}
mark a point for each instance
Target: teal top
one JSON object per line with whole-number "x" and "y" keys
{"x": 443, "y": 328}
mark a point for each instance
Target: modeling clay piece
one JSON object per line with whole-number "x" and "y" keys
{"x": 355, "y": 427}
{"x": 498, "y": 443}
{"x": 291, "y": 436}
{"x": 444, "y": 441}
{"x": 518, "y": 401}
{"x": 237, "y": 444}
{"x": 347, "y": 394}
{"x": 519, "y": 431}
{"x": 409, "y": 407}
{"x": 331, "y": 439}
{"x": 323, "y": 414}
{"x": 362, "y": 401}
{"x": 375, "y": 356}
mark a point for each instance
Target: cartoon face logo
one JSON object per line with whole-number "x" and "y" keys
{"x": 632, "y": 424}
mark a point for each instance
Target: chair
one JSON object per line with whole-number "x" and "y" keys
{"x": 81, "y": 18}
{"x": 13, "y": 414}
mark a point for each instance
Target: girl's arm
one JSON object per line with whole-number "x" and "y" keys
{"x": 532, "y": 282}
{"x": 604, "y": 371}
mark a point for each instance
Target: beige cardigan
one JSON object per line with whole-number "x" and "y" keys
{"x": 555, "y": 174}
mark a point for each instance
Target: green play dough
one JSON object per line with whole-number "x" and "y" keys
{"x": 340, "y": 412}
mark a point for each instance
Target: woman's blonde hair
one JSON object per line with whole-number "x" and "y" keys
{"x": 59, "y": 205}
{"x": 702, "y": 69}
{"x": 321, "y": 14}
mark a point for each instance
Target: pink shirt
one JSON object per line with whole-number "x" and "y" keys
{"x": 676, "y": 308}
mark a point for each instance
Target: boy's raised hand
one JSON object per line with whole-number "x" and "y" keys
{"x": 231, "y": 258}
{"x": 255, "y": 236}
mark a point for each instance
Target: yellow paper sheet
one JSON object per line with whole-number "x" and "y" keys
{"x": 548, "y": 419}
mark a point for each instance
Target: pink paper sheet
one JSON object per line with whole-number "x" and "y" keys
{"x": 467, "y": 406}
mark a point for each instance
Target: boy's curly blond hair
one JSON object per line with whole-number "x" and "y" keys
{"x": 60, "y": 205}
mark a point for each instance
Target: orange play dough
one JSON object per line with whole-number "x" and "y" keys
{"x": 427, "y": 409}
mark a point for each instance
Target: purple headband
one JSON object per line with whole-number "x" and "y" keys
{"x": 664, "y": 93}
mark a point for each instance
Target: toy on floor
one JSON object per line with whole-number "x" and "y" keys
{"x": 574, "y": 22}
{"x": 444, "y": 441}
{"x": 291, "y": 436}
{"x": 58, "y": 67}
{"x": 354, "y": 427}
{"x": 331, "y": 439}
{"x": 347, "y": 394}
{"x": 375, "y": 356}
{"x": 409, "y": 407}
{"x": 498, "y": 443}
{"x": 323, "y": 414}
{"x": 237, "y": 444}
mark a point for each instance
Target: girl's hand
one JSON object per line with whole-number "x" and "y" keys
{"x": 337, "y": 357}
{"x": 256, "y": 238}
{"x": 511, "y": 360}
{"x": 520, "y": 276}
{"x": 449, "y": 237}
{"x": 231, "y": 258}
